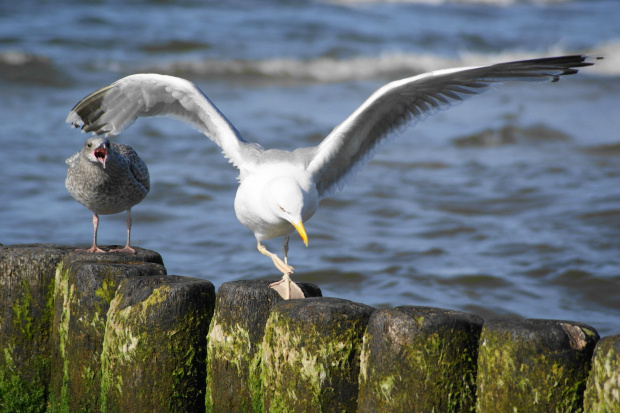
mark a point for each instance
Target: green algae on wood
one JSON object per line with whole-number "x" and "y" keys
{"x": 603, "y": 391}
{"x": 533, "y": 365}
{"x": 310, "y": 355}
{"x": 154, "y": 349}
{"x": 235, "y": 338}
{"x": 26, "y": 313}
{"x": 419, "y": 359}
{"x": 236, "y": 332}
{"x": 84, "y": 290}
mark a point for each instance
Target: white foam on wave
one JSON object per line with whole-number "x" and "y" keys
{"x": 25, "y": 67}
{"x": 19, "y": 58}
{"x": 322, "y": 69}
{"x": 392, "y": 65}
{"x": 610, "y": 65}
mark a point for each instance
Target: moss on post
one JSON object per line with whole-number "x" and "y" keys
{"x": 419, "y": 359}
{"x": 533, "y": 365}
{"x": 26, "y": 314}
{"x": 603, "y": 392}
{"x": 310, "y": 355}
{"x": 154, "y": 349}
{"x": 235, "y": 338}
{"x": 85, "y": 286}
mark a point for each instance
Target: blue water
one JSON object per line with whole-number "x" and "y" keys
{"x": 526, "y": 222}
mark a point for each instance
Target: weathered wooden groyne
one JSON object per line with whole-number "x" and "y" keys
{"x": 86, "y": 332}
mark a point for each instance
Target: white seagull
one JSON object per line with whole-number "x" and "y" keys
{"x": 280, "y": 190}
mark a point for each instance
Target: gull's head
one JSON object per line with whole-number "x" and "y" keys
{"x": 97, "y": 150}
{"x": 286, "y": 200}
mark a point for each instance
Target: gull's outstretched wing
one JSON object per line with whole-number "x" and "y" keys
{"x": 112, "y": 109}
{"x": 405, "y": 102}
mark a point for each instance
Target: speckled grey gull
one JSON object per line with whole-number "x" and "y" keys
{"x": 107, "y": 178}
{"x": 280, "y": 190}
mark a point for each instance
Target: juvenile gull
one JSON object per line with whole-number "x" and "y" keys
{"x": 280, "y": 190}
{"x": 107, "y": 178}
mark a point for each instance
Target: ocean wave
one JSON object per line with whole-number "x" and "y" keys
{"x": 174, "y": 46}
{"x": 510, "y": 135}
{"x": 437, "y": 2}
{"x": 387, "y": 65}
{"x": 23, "y": 67}
{"x": 321, "y": 69}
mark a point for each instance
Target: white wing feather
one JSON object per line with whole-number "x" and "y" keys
{"x": 112, "y": 109}
{"x": 402, "y": 103}
{"x": 347, "y": 148}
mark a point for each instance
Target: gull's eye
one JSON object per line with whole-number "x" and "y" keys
{"x": 282, "y": 209}
{"x": 89, "y": 144}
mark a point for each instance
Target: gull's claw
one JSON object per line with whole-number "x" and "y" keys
{"x": 287, "y": 288}
{"x": 126, "y": 250}
{"x": 94, "y": 248}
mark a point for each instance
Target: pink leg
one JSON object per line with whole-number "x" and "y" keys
{"x": 127, "y": 248}
{"x": 94, "y": 248}
{"x": 286, "y": 287}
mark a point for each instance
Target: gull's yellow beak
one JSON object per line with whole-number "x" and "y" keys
{"x": 299, "y": 226}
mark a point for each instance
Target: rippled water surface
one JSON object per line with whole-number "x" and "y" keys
{"x": 507, "y": 204}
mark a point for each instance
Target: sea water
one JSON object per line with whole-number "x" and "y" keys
{"x": 506, "y": 205}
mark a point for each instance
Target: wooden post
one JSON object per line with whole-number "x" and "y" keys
{"x": 603, "y": 391}
{"x": 83, "y": 292}
{"x": 419, "y": 359}
{"x": 112, "y": 332}
{"x": 534, "y": 365}
{"x": 310, "y": 360}
{"x": 26, "y": 314}
{"x": 235, "y": 338}
{"x": 154, "y": 349}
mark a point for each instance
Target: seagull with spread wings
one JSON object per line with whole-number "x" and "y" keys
{"x": 280, "y": 190}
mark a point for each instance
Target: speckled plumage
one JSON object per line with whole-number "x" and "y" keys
{"x": 107, "y": 178}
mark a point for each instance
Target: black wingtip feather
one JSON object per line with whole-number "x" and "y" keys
{"x": 552, "y": 68}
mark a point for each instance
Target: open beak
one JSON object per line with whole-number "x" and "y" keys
{"x": 299, "y": 226}
{"x": 101, "y": 154}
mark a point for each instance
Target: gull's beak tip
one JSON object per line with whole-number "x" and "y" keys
{"x": 299, "y": 226}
